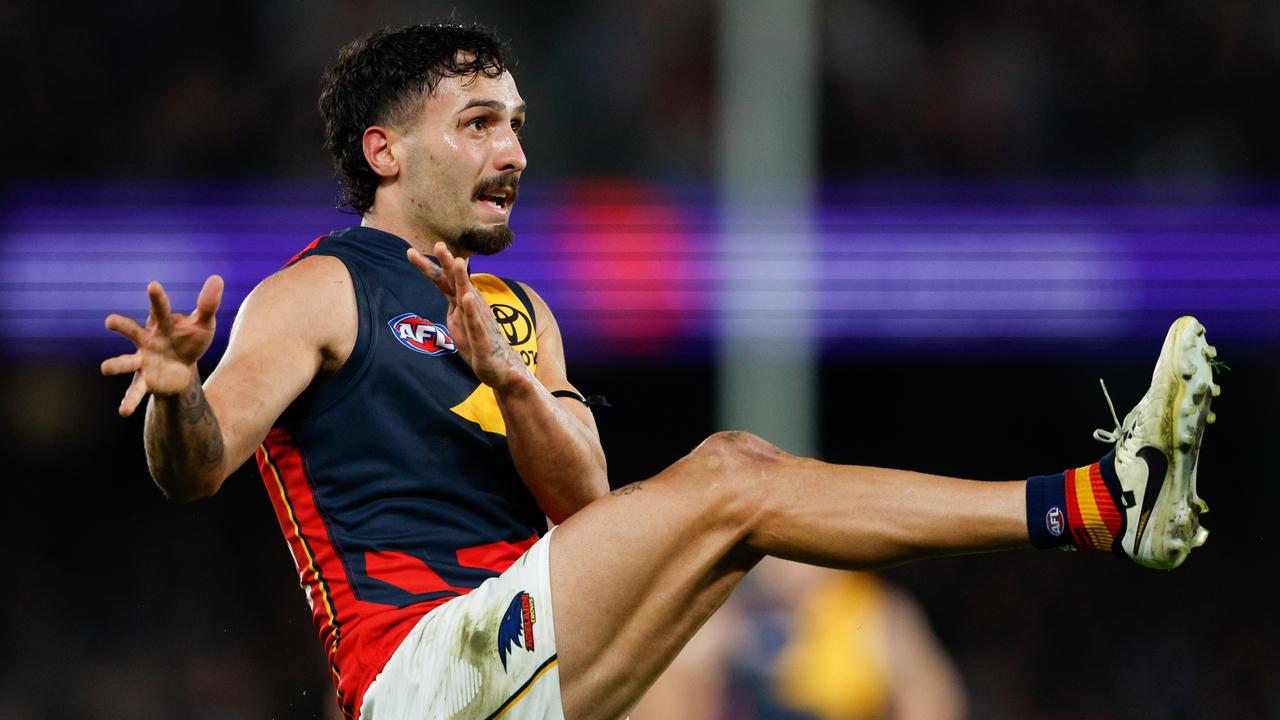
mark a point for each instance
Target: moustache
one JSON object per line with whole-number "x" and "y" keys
{"x": 508, "y": 181}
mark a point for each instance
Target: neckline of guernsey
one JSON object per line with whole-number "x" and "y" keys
{"x": 404, "y": 243}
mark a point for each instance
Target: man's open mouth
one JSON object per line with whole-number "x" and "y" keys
{"x": 500, "y": 198}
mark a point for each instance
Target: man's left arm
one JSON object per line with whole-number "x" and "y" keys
{"x": 554, "y": 441}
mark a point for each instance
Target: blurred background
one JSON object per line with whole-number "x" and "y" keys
{"x": 910, "y": 234}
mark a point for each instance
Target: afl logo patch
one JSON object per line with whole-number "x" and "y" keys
{"x": 421, "y": 335}
{"x": 1053, "y": 521}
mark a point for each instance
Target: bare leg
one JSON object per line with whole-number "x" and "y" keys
{"x": 695, "y": 685}
{"x": 635, "y": 574}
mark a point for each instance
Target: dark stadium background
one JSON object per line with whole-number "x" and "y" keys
{"x": 120, "y": 606}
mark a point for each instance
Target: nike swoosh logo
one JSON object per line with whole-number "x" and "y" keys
{"x": 1142, "y": 525}
{"x": 1157, "y": 469}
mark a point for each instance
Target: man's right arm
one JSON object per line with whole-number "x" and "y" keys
{"x": 186, "y": 452}
{"x": 296, "y": 324}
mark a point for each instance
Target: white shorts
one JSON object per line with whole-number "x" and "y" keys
{"x": 488, "y": 654}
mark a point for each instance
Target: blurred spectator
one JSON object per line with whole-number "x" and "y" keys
{"x": 807, "y": 643}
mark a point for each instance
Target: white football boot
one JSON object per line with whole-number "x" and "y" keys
{"x": 1156, "y": 450}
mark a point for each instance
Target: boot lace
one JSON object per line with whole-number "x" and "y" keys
{"x": 1110, "y": 437}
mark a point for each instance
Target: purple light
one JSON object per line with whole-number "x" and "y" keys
{"x": 895, "y": 268}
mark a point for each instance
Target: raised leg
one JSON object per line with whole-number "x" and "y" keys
{"x": 635, "y": 574}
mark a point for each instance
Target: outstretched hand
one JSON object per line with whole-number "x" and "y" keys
{"x": 167, "y": 347}
{"x": 470, "y": 319}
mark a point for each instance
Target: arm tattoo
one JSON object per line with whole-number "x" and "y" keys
{"x": 182, "y": 438}
{"x": 193, "y": 409}
{"x": 628, "y": 489}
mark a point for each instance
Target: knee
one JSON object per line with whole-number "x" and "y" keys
{"x": 734, "y": 474}
{"x": 736, "y": 449}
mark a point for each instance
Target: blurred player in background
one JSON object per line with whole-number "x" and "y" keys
{"x": 798, "y": 642}
{"x": 414, "y": 424}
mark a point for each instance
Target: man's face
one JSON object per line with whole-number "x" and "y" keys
{"x": 461, "y": 162}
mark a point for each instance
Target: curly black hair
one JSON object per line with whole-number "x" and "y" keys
{"x": 381, "y": 79}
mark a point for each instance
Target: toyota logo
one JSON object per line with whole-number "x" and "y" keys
{"x": 514, "y": 323}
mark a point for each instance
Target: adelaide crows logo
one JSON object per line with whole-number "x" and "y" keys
{"x": 421, "y": 335}
{"x": 516, "y": 627}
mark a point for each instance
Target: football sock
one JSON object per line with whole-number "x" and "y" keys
{"x": 1077, "y": 507}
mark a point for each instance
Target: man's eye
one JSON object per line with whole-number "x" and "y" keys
{"x": 517, "y": 126}
{"x": 477, "y": 124}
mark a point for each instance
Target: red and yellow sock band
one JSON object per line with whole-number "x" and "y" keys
{"x": 1076, "y": 507}
{"x": 1092, "y": 514}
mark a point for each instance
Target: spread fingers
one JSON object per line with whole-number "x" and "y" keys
{"x": 121, "y": 364}
{"x": 159, "y": 304}
{"x": 127, "y": 327}
{"x": 133, "y": 396}
{"x": 433, "y": 273}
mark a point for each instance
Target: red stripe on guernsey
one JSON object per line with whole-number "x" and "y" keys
{"x": 359, "y": 636}
{"x": 1073, "y": 513}
{"x": 311, "y": 245}
{"x": 414, "y": 576}
{"x": 303, "y": 528}
{"x": 407, "y": 573}
{"x": 496, "y": 556}
{"x": 1102, "y": 497}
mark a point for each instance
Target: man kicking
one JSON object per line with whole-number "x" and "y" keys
{"x": 413, "y": 448}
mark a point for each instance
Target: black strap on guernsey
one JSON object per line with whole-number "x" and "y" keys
{"x": 593, "y": 401}
{"x": 519, "y": 292}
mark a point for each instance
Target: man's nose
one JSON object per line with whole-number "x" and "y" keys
{"x": 510, "y": 155}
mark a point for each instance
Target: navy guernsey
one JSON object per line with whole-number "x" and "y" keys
{"x": 392, "y": 479}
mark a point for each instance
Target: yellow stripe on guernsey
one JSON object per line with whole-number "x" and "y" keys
{"x": 1089, "y": 510}
{"x": 515, "y": 322}
{"x": 312, "y": 565}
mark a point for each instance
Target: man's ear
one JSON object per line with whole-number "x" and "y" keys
{"x": 377, "y": 151}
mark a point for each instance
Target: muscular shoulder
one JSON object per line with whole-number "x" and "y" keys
{"x": 295, "y": 325}
{"x": 546, "y": 319}
{"x": 311, "y": 303}
{"x": 551, "y": 369}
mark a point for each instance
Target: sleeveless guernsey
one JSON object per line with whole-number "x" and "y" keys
{"x": 392, "y": 480}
